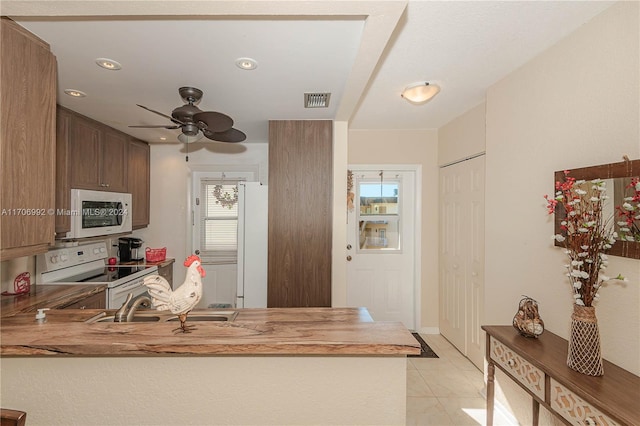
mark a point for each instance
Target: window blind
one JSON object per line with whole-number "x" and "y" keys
{"x": 218, "y": 221}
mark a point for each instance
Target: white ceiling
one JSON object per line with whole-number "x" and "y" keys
{"x": 363, "y": 52}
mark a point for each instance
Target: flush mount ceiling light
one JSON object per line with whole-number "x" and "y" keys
{"x": 246, "y": 63}
{"x": 75, "y": 93}
{"x": 421, "y": 92}
{"x": 108, "y": 64}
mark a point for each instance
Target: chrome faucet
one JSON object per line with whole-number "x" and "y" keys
{"x": 120, "y": 314}
{"x": 141, "y": 300}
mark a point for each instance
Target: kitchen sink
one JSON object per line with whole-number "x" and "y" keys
{"x": 155, "y": 316}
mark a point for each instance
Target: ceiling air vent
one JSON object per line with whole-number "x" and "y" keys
{"x": 316, "y": 100}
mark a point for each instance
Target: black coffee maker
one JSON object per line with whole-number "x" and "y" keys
{"x": 128, "y": 249}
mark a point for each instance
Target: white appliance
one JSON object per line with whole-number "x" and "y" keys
{"x": 85, "y": 264}
{"x": 97, "y": 213}
{"x": 252, "y": 245}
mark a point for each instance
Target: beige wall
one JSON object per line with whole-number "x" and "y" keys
{"x": 410, "y": 147}
{"x": 575, "y": 105}
{"x": 207, "y": 390}
{"x": 462, "y": 137}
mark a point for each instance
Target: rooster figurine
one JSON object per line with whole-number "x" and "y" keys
{"x": 181, "y": 300}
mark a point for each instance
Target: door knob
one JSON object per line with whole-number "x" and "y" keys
{"x": 349, "y": 258}
{"x": 348, "y": 246}
{"x": 197, "y": 252}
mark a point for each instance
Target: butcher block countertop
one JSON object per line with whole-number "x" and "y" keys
{"x": 274, "y": 331}
{"x": 47, "y": 296}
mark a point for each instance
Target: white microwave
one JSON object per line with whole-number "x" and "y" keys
{"x": 97, "y": 213}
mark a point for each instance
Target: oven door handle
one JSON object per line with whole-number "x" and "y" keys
{"x": 127, "y": 287}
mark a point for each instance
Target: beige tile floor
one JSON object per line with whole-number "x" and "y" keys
{"x": 447, "y": 390}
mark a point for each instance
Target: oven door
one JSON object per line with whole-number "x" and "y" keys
{"x": 118, "y": 295}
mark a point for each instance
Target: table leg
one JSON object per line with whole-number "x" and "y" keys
{"x": 491, "y": 371}
{"x": 535, "y": 413}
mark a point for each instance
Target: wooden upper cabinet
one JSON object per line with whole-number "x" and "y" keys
{"x": 300, "y": 213}
{"x": 97, "y": 156}
{"x": 115, "y": 155}
{"x": 27, "y": 142}
{"x": 139, "y": 169}
{"x": 85, "y": 152}
{"x": 91, "y": 155}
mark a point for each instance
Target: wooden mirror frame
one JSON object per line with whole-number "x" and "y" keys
{"x": 624, "y": 169}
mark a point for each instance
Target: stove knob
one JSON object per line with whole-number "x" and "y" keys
{"x": 54, "y": 259}
{"x": 102, "y": 250}
{"x": 64, "y": 258}
{"x": 96, "y": 251}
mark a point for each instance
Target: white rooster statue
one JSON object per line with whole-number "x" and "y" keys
{"x": 184, "y": 298}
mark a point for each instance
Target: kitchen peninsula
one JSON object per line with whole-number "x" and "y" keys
{"x": 268, "y": 366}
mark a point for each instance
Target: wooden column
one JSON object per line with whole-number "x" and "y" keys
{"x": 300, "y": 213}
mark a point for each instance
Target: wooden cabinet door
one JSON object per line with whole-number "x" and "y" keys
{"x": 85, "y": 152}
{"x": 115, "y": 150}
{"x": 95, "y": 301}
{"x": 27, "y": 142}
{"x": 300, "y": 213}
{"x": 139, "y": 168}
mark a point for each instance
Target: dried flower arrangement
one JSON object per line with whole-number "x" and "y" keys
{"x": 588, "y": 235}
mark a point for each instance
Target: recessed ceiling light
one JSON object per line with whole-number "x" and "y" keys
{"x": 108, "y": 64}
{"x": 163, "y": 138}
{"x": 246, "y": 63}
{"x": 419, "y": 93}
{"x": 75, "y": 93}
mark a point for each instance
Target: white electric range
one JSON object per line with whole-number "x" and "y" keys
{"x": 85, "y": 264}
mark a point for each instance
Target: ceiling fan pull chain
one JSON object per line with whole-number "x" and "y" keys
{"x": 187, "y": 146}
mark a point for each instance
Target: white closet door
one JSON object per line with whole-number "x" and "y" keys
{"x": 462, "y": 256}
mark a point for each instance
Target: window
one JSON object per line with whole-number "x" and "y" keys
{"x": 218, "y": 205}
{"x": 378, "y": 215}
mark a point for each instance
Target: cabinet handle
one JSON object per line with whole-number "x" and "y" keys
{"x": 106, "y": 184}
{"x": 83, "y": 307}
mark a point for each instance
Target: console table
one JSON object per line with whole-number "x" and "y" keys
{"x": 539, "y": 366}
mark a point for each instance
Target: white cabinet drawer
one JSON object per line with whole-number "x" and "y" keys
{"x": 531, "y": 377}
{"x": 574, "y": 409}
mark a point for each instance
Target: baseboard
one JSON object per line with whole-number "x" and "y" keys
{"x": 429, "y": 330}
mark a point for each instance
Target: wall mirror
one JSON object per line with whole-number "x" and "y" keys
{"x": 618, "y": 176}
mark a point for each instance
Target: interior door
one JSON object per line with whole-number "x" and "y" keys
{"x": 462, "y": 257}
{"x": 381, "y": 245}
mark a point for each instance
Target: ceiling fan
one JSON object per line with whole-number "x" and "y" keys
{"x": 192, "y": 120}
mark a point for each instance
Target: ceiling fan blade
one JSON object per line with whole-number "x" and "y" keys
{"x": 231, "y": 135}
{"x": 160, "y": 126}
{"x": 161, "y": 114}
{"x": 215, "y": 122}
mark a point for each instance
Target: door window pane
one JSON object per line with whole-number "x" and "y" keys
{"x": 379, "y": 215}
{"x": 378, "y": 198}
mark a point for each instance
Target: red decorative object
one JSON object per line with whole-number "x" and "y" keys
{"x": 21, "y": 285}
{"x": 155, "y": 255}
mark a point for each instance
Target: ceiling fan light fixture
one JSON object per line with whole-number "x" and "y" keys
{"x": 246, "y": 63}
{"x": 184, "y": 138}
{"x": 109, "y": 64}
{"x": 75, "y": 93}
{"x": 420, "y": 92}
